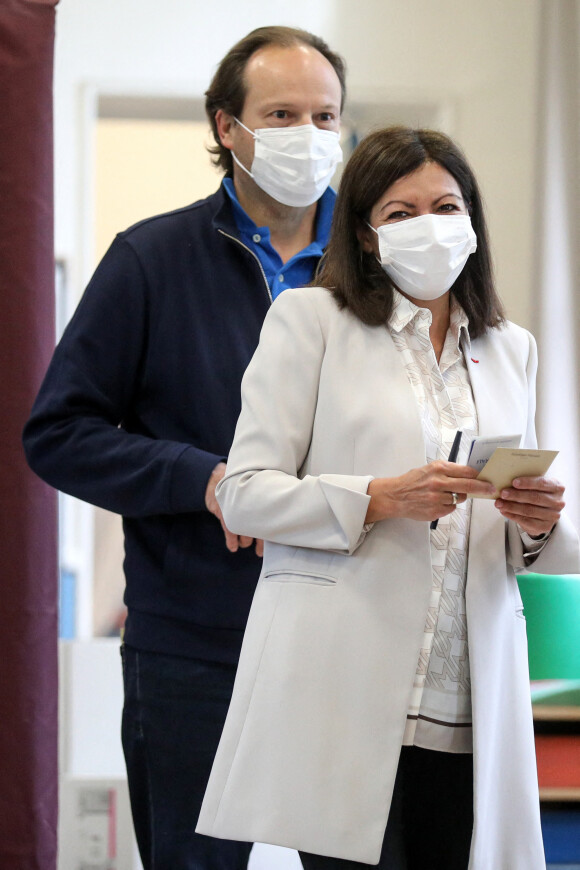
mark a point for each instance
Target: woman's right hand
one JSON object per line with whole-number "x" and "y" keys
{"x": 423, "y": 493}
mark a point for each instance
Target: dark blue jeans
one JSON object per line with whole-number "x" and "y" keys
{"x": 173, "y": 716}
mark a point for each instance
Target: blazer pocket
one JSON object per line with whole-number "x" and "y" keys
{"x": 280, "y": 576}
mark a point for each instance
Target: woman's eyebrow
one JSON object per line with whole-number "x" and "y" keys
{"x": 445, "y": 195}
{"x": 397, "y": 202}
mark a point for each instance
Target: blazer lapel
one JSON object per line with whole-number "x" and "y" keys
{"x": 496, "y": 387}
{"x": 485, "y": 386}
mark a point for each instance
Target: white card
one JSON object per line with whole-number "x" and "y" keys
{"x": 483, "y": 446}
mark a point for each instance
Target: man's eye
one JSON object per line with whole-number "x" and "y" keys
{"x": 281, "y": 114}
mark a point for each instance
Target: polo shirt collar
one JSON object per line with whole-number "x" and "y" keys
{"x": 247, "y": 227}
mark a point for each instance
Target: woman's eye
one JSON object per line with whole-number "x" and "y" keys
{"x": 448, "y": 206}
{"x": 398, "y": 216}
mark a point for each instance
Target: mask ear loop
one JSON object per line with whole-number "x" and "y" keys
{"x": 240, "y": 164}
{"x": 232, "y": 152}
{"x": 247, "y": 129}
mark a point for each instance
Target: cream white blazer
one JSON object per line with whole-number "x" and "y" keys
{"x": 310, "y": 747}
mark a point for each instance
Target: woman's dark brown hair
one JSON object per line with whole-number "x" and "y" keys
{"x": 355, "y": 278}
{"x": 227, "y": 90}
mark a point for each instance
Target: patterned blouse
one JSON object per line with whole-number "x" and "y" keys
{"x": 439, "y": 716}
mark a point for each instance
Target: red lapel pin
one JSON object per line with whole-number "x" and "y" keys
{"x": 474, "y": 360}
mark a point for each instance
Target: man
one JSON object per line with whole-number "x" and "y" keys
{"x": 139, "y": 405}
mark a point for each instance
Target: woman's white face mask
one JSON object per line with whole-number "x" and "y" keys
{"x": 294, "y": 165}
{"x": 423, "y": 256}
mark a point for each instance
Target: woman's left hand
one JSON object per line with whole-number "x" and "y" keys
{"x": 534, "y": 503}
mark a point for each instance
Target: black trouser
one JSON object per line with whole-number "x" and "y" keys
{"x": 172, "y": 720}
{"x": 431, "y": 818}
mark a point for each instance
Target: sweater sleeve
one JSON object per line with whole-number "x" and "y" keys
{"x": 79, "y": 438}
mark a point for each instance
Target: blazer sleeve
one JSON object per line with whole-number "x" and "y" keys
{"x": 561, "y": 553}
{"x": 263, "y": 494}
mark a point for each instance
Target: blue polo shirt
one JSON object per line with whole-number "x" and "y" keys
{"x": 299, "y": 270}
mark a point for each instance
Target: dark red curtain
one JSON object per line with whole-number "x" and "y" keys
{"x": 28, "y": 536}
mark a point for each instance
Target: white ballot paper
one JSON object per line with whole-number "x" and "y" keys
{"x": 483, "y": 446}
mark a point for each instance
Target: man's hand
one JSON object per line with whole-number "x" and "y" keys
{"x": 233, "y": 542}
{"x": 534, "y": 503}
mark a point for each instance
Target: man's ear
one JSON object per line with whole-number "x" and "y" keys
{"x": 225, "y": 124}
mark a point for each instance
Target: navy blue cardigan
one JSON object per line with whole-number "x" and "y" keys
{"x": 140, "y": 403}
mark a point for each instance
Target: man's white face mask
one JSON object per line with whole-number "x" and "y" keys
{"x": 293, "y": 165}
{"x": 423, "y": 256}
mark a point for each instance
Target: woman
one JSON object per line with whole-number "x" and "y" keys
{"x": 384, "y": 670}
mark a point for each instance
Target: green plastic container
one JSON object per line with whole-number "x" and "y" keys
{"x": 552, "y": 611}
